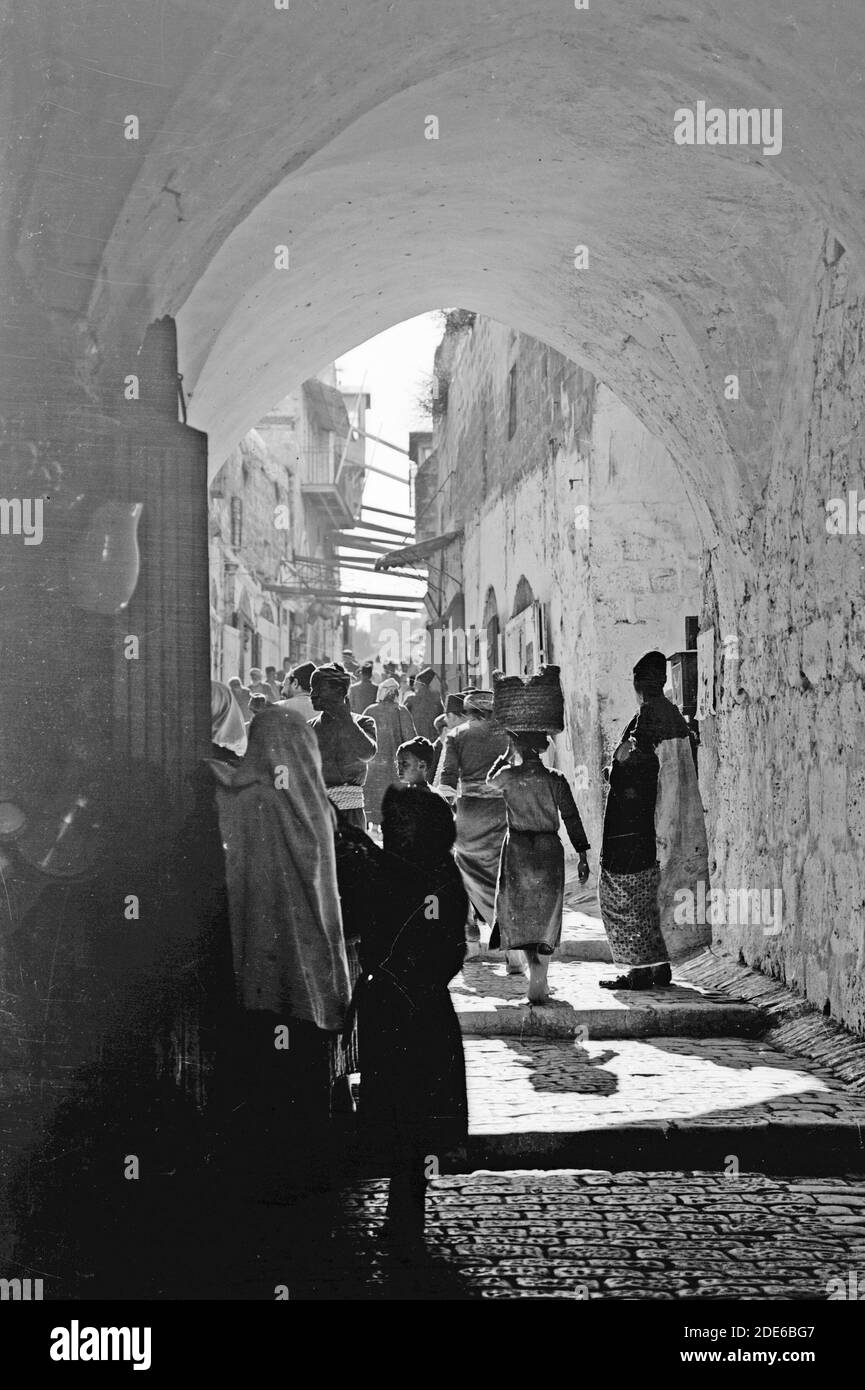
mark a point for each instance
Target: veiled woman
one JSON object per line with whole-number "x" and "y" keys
{"x": 288, "y": 952}
{"x": 394, "y": 725}
{"x": 654, "y": 841}
{"x": 228, "y": 725}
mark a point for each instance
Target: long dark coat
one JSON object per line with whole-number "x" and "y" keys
{"x": 413, "y": 1070}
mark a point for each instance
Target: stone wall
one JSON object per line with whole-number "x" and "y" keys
{"x": 784, "y": 761}
{"x": 584, "y": 504}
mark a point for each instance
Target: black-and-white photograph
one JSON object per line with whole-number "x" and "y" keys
{"x": 432, "y": 664}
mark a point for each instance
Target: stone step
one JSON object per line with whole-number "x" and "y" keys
{"x": 583, "y": 938}
{"x": 696, "y": 1103}
{"x": 492, "y": 1003}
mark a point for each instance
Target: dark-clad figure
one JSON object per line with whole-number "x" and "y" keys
{"x": 470, "y": 752}
{"x": 346, "y": 743}
{"x": 654, "y": 843}
{"x": 424, "y": 703}
{"x": 393, "y": 726}
{"x": 413, "y": 1086}
{"x": 364, "y": 691}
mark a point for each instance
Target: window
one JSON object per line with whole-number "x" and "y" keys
{"x": 236, "y": 523}
{"x": 512, "y": 401}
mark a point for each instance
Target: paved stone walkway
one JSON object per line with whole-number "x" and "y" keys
{"x": 661, "y": 1100}
{"x": 671, "y": 1235}
{"x": 490, "y": 1001}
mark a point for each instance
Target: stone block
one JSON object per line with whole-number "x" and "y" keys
{"x": 815, "y": 651}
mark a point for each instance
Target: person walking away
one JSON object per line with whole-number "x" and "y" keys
{"x": 654, "y": 838}
{"x": 424, "y": 703}
{"x": 393, "y": 726}
{"x": 455, "y": 716}
{"x": 414, "y": 763}
{"x": 275, "y": 685}
{"x": 531, "y": 882}
{"x": 413, "y": 1087}
{"x": 440, "y": 725}
{"x": 288, "y": 952}
{"x": 362, "y": 692}
{"x": 228, "y": 726}
{"x": 346, "y": 742}
{"x": 469, "y": 754}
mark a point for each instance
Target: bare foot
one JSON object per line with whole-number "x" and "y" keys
{"x": 538, "y": 991}
{"x": 539, "y": 998}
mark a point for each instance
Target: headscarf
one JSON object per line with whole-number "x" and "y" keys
{"x": 650, "y": 671}
{"x": 388, "y": 690}
{"x": 277, "y": 827}
{"x": 227, "y": 722}
{"x": 241, "y": 695}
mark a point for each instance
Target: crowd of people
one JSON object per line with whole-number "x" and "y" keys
{"x": 369, "y": 829}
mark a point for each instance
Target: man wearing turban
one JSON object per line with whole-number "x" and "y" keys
{"x": 346, "y": 741}
{"x": 424, "y": 704}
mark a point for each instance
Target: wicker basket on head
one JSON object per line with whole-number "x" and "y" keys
{"x": 536, "y": 705}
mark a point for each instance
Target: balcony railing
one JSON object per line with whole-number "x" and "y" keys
{"x": 341, "y": 501}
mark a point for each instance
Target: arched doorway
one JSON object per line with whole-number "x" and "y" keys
{"x": 494, "y": 655}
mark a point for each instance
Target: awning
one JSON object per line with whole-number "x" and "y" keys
{"x": 410, "y": 554}
{"x": 327, "y": 407}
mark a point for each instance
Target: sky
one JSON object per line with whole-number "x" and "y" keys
{"x": 391, "y": 368}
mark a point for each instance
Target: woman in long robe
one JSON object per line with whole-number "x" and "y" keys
{"x": 531, "y": 881}
{"x": 469, "y": 754}
{"x": 289, "y": 957}
{"x": 393, "y": 725}
{"x": 413, "y": 1087}
{"x": 654, "y": 840}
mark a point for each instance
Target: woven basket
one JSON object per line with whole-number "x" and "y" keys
{"x": 535, "y": 705}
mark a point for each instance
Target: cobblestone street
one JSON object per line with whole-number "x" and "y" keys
{"x": 541, "y": 1235}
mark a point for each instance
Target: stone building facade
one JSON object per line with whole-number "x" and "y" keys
{"x": 274, "y": 508}
{"x": 573, "y": 540}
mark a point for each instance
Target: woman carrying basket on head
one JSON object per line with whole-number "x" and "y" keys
{"x": 531, "y": 880}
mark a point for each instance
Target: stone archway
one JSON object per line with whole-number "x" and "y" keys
{"x": 281, "y": 201}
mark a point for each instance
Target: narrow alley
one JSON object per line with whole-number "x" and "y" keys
{"x": 432, "y": 695}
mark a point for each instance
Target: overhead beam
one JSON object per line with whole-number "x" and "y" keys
{"x": 361, "y": 543}
{"x": 386, "y": 511}
{"x": 365, "y": 434}
{"x": 337, "y": 595}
